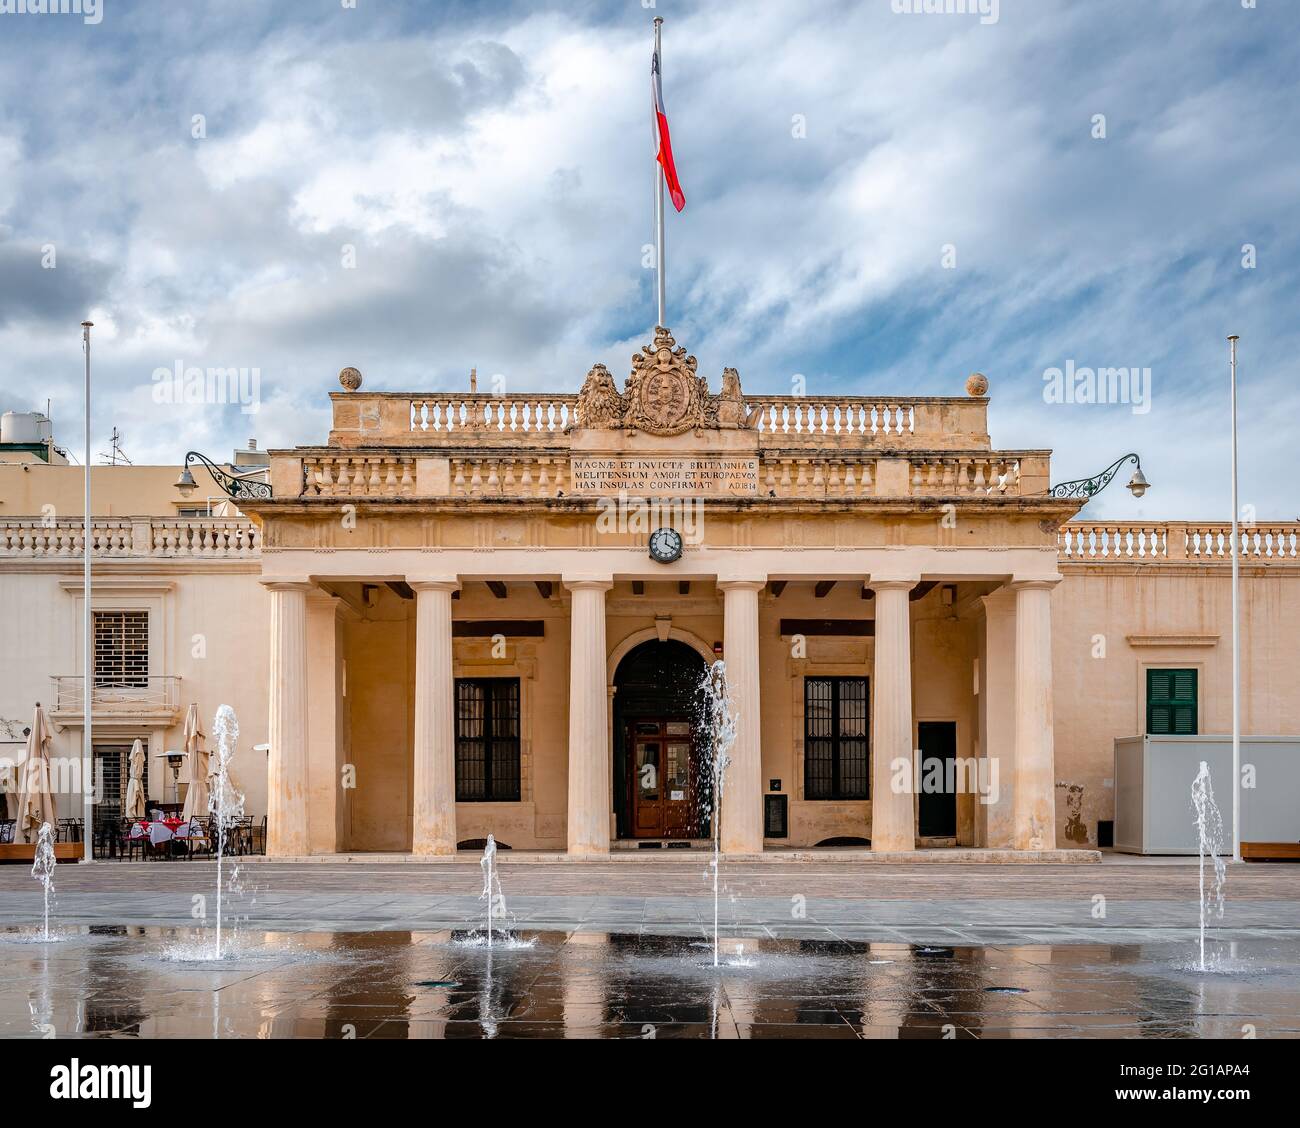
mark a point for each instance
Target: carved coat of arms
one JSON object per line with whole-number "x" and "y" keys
{"x": 663, "y": 395}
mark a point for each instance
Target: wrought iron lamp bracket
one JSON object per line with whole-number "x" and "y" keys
{"x": 231, "y": 485}
{"x": 1088, "y": 487}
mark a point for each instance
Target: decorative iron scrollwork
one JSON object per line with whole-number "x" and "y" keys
{"x": 1088, "y": 487}
{"x": 232, "y": 485}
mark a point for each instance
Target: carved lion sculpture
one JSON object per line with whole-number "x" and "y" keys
{"x": 731, "y": 401}
{"x": 599, "y": 401}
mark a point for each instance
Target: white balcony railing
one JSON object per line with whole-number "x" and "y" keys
{"x": 155, "y": 693}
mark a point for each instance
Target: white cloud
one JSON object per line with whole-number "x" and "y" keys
{"x": 495, "y": 179}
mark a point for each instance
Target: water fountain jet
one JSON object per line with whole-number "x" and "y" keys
{"x": 225, "y": 803}
{"x": 722, "y": 720}
{"x": 491, "y": 886}
{"x": 43, "y": 871}
{"x": 1209, "y": 832}
{"x": 498, "y": 923}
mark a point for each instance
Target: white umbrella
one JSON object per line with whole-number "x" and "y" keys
{"x": 36, "y": 804}
{"x": 196, "y": 795}
{"x": 135, "y": 799}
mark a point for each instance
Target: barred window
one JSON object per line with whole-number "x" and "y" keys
{"x": 112, "y": 773}
{"x": 487, "y": 740}
{"x": 835, "y": 763}
{"x": 122, "y": 648}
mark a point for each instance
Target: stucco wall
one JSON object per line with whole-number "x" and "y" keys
{"x": 207, "y": 628}
{"x": 1110, "y": 623}
{"x": 1146, "y": 616}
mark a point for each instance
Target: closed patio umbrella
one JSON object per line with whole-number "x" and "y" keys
{"x": 9, "y": 789}
{"x": 135, "y": 799}
{"x": 196, "y": 796}
{"x": 35, "y": 803}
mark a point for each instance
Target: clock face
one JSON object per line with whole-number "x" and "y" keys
{"x": 665, "y": 545}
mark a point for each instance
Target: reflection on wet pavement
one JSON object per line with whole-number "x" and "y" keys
{"x": 127, "y": 981}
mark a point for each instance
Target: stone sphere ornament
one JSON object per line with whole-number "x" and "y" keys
{"x": 977, "y": 384}
{"x": 350, "y": 378}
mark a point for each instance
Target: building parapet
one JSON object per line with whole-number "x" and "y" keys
{"x": 776, "y": 472}
{"x": 165, "y": 537}
{"x": 1172, "y": 542}
{"x": 436, "y": 419}
{"x": 1079, "y": 542}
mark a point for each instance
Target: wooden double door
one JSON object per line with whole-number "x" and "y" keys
{"x": 662, "y": 779}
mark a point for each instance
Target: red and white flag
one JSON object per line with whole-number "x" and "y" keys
{"x": 663, "y": 143}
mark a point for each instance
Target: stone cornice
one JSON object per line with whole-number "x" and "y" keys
{"x": 1040, "y": 507}
{"x": 144, "y": 566}
{"x": 1220, "y": 568}
{"x": 1144, "y": 640}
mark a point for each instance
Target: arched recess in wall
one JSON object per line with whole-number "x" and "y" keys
{"x": 636, "y": 638}
{"x": 665, "y": 668}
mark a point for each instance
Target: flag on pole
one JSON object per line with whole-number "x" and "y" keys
{"x": 664, "y": 145}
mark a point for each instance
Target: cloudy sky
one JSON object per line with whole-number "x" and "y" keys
{"x": 881, "y": 202}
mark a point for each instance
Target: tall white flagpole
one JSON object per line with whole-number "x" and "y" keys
{"x": 87, "y": 641}
{"x": 659, "y": 190}
{"x": 1236, "y": 624}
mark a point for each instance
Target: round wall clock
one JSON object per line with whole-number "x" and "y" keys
{"x": 665, "y": 545}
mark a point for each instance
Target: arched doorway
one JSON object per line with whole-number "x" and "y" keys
{"x": 660, "y": 785}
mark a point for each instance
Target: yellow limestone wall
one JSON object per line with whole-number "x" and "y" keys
{"x": 1112, "y": 622}
{"x": 380, "y": 684}
{"x": 34, "y": 489}
{"x": 1097, "y": 698}
{"x": 1165, "y": 615}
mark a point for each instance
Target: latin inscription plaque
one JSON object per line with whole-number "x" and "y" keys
{"x": 666, "y": 477}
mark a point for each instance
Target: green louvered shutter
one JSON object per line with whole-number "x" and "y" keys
{"x": 1171, "y": 702}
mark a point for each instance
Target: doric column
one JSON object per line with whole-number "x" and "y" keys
{"x": 286, "y": 784}
{"x": 324, "y": 749}
{"x": 1034, "y": 798}
{"x": 742, "y": 792}
{"x": 893, "y": 821}
{"x": 998, "y": 719}
{"x": 589, "y": 766}
{"x": 433, "y": 826}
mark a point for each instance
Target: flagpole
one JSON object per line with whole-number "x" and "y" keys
{"x": 1236, "y": 624}
{"x": 87, "y": 639}
{"x": 659, "y": 193}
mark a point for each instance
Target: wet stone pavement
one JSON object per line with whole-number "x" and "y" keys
{"x": 130, "y": 981}
{"x": 626, "y": 952}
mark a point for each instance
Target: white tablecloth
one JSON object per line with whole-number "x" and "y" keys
{"x": 160, "y": 832}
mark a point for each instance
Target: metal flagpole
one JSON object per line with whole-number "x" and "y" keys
{"x": 659, "y": 189}
{"x": 1236, "y": 625}
{"x": 87, "y": 642}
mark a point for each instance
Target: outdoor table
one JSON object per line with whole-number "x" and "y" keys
{"x": 159, "y": 831}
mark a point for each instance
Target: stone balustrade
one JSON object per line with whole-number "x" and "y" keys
{"x": 356, "y": 475}
{"x": 800, "y": 476}
{"x": 203, "y": 537}
{"x": 542, "y": 419}
{"x": 186, "y": 536}
{"x": 1258, "y": 543}
{"x": 1177, "y": 541}
{"x": 855, "y": 416}
{"x": 787, "y": 471}
{"x": 509, "y": 477}
{"x": 962, "y": 475}
{"x": 482, "y": 414}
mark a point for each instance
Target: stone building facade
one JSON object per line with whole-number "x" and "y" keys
{"x": 448, "y": 621}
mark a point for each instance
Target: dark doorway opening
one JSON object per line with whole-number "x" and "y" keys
{"x": 661, "y": 783}
{"x": 937, "y": 810}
